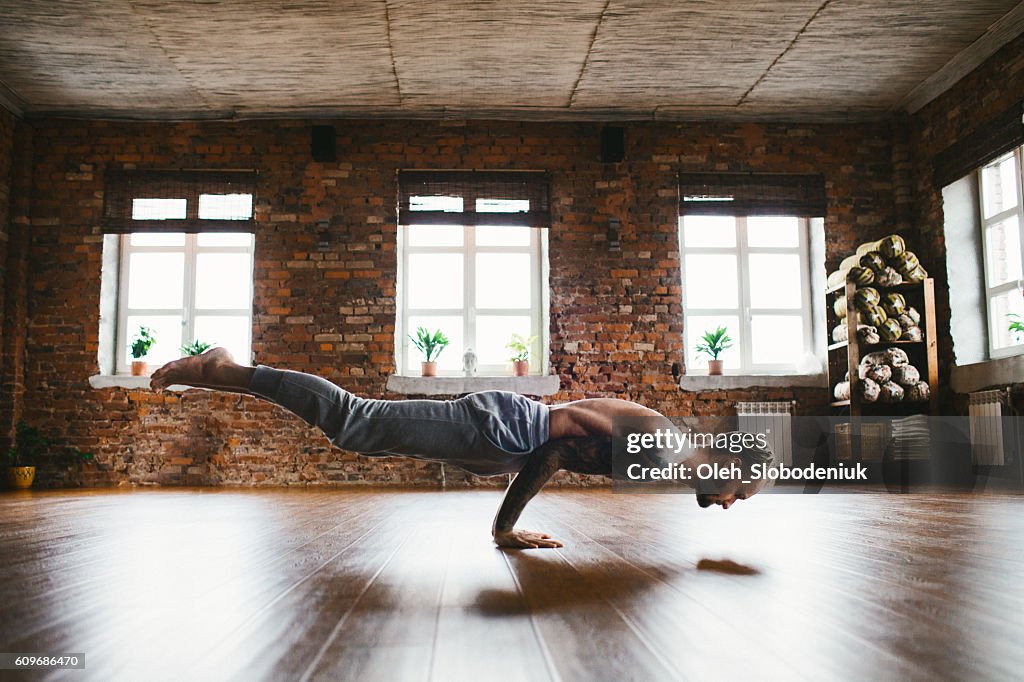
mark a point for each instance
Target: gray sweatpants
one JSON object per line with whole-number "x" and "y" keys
{"x": 486, "y": 433}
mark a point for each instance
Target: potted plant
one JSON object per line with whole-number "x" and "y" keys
{"x": 1016, "y": 324}
{"x": 22, "y": 457}
{"x": 713, "y": 343}
{"x": 141, "y": 344}
{"x": 29, "y": 446}
{"x": 520, "y": 348}
{"x": 431, "y": 346}
{"x": 197, "y": 347}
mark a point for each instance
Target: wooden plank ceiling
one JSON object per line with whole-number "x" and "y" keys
{"x": 572, "y": 59}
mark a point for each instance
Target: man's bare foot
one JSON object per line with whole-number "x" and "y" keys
{"x": 215, "y": 368}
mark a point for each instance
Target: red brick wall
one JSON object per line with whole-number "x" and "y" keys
{"x": 15, "y": 173}
{"x": 616, "y": 324}
{"x": 985, "y": 92}
{"x": 7, "y": 125}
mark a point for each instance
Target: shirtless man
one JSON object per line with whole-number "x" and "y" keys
{"x": 487, "y": 433}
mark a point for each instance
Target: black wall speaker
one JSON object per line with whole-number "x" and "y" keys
{"x": 613, "y": 144}
{"x": 322, "y": 144}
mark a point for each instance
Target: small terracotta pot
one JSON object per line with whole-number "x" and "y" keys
{"x": 139, "y": 368}
{"x": 21, "y": 477}
{"x": 520, "y": 368}
{"x": 715, "y": 367}
{"x": 428, "y": 369}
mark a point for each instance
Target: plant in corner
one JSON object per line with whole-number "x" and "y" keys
{"x": 197, "y": 347}
{"x": 24, "y": 455}
{"x": 520, "y": 348}
{"x": 431, "y": 346}
{"x": 712, "y": 343}
{"x": 141, "y": 344}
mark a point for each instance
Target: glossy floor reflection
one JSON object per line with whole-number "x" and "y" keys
{"x": 394, "y": 585}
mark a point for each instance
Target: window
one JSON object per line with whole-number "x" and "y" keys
{"x": 178, "y": 259}
{"x": 185, "y": 287}
{"x": 750, "y": 274}
{"x": 472, "y": 264}
{"x": 1002, "y": 218}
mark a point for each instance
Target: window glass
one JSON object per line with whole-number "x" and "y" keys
{"x": 494, "y": 331}
{"x": 503, "y": 280}
{"x": 228, "y": 331}
{"x": 167, "y": 331}
{"x": 1002, "y": 251}
{"x": 775, "y": 281}
{"x": 156, "y": 280}
{"x": 742, "y": 273}
{"x": 223, "y": 280}
{"x": 225, "y": 206}
{"x": 169, "y": 278}
{"x": 1002, "y": 220}
{"x": 711, "y": 281}
{"x": 435, "y": 235}
{"x": 450, "y": 358}
{"x": 1001, "y": 307}
{"x": 776, "y": 339}
{"x": 488, "y": 277}
{"x": 159, "y": 209}
{"x": 502, "y": 205}
{"x": 447, "y": 204}
{"x": 1000, "y": 182}
{"x": 696, "y": 325}
{"x": 502, "y": 236}
{"x": 157, "y": 239}
{"x": 225, "y": 239}
{"x": 705, "y": 231}
{"x": 777, "y": 231}
{"x": 435, "y": 280}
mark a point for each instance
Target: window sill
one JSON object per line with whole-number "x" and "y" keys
{"x": 529, "y": 385}
{"x": 989, "y": 374}
{"x": 704, "y": 382}
{"x": 128, "y": 381}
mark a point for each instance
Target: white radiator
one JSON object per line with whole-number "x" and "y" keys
{"x": 986, "y": 410}
{"x": 773, "y": 419}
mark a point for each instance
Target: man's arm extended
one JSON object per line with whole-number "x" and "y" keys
{"x": 581, "y": 455}
{"x": 541, "y": 466}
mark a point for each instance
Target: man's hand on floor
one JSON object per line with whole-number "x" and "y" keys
{"x": 524, "y": 539}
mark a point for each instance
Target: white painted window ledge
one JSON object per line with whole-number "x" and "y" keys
{"x": 991, "y": 374}
{"x": 725, "y": 382}
{"x": 128, "y": 381}
{"x": 529, "y": 385}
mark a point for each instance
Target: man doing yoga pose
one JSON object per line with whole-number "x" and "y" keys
{"x": 486, "y": 433}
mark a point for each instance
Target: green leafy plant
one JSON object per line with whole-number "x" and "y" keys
{"x": 142, "y": 342}
{"x": 714, "y": 342}
{"x": 429, "y": 344}
{"x": 197, "y": 347}
{"x": 1016, "y": 323}
{"x": 30, "y": 444}
{"x": 520, "y": 347}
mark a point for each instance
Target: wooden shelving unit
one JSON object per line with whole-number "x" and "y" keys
{"x": 845, "y": 356}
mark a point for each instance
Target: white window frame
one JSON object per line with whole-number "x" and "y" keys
{"x": 744, "y": 312}
{"x": 993, "y": 291}
{"x": 191, "y": 250}
{"x": 537, "y": 249}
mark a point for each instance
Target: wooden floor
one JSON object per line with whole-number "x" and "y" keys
{"x": 397, "y": 585}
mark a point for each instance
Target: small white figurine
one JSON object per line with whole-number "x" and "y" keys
{"x": 469, "y": 363}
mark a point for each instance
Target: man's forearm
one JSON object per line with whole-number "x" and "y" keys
{"x": 540, "y": 467}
